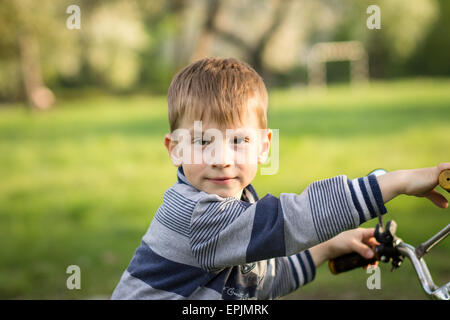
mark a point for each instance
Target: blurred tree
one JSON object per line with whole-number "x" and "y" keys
{"x": 404, "y": 27}
{"x": 167, "y": 50}
{"x": 253, "y": 49}
{"x": 38, "y": 48}
{"x": 202, "y": 48}
{"x": 432, "y": 55}
{"x": 125, "y": 45}
{"x": 113, "y": 36}
{"x": 23, "y": 23}
{"x": 278, "y": 33}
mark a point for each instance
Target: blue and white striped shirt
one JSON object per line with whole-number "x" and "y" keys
{"x": 203, "y": 246}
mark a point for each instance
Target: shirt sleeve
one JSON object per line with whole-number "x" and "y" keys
{"x": 289, "y": 274}
{"x": 228, "y": 232}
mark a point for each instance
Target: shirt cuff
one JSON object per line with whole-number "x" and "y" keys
{"x": 303, "y": 268}
{"x": 367, "y": 197}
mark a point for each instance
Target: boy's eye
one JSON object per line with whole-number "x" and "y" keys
{"x": 240, "y": 140}
{"x": 201, "y": 142}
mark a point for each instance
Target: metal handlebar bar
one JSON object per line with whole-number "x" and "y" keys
{"x": 392, "y": 248}
{"x": 415, "y": 255}
{"x": 435, "y": 292}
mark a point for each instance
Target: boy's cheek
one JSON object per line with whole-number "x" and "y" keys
{"x": 185, "y": 153}
{"x": 193, "y": 173}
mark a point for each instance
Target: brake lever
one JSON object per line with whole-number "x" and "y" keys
{"x": 387, "y": 250}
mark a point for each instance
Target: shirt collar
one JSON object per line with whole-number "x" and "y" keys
{"x": 181, "y": 177}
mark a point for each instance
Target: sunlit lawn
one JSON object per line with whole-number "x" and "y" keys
{"x": 79, "y": 184}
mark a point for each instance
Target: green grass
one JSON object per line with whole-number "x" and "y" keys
{"x": 80, "y": 184}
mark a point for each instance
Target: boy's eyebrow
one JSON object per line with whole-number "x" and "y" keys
{"x": 192, "y": 131}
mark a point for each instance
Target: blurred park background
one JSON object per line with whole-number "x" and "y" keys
{"x": 83, "y": 116}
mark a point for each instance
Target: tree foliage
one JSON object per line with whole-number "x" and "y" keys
{"x": 127, "y": 45}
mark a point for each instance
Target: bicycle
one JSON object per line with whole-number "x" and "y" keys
{"x": 395, "y": 250}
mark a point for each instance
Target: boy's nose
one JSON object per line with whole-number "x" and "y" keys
{"x": 223, "y": 157}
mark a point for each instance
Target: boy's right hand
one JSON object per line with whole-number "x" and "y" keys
{"x": 358, "y": 240}
{"x": 415, "y": 182}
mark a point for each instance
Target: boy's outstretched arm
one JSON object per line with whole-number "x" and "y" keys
{"x": 278, "y": 227}
{"x": 415, "y": 182}
{"x": 228, "y": 232}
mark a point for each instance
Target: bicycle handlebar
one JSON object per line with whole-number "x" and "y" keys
{"x": 423, "y": 273}
{"x": 401, "y": 249}
{"x": 349, "y": 262}
{"x": 444, "y": 180}
{"x": 353, "y": 260}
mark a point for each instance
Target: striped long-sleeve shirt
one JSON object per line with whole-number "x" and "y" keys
{"x": 203, "y": 246}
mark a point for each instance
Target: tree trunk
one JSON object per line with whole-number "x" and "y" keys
{"x": 176, "y": 8}
{"x": 37, "y": 94}
{"x": 207, "y": 33}
{"x": 255, "y": 53}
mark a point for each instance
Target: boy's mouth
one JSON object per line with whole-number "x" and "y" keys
{"x": 221, "y": 180}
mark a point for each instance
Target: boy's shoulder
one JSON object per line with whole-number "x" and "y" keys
{"x": 186, "y": 193}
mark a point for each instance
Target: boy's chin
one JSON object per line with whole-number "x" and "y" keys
{"x": 224, "y": 193}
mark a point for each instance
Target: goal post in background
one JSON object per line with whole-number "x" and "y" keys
{"x": 324, "y": 52}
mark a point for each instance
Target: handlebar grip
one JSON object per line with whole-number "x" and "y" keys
{"x": 444, "y": 180}
{"x": 348, "y": 262}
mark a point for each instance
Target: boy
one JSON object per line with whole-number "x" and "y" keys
{"x": 212, "y": 237}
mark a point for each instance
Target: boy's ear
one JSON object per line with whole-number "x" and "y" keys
{"x": 168, "y": 141}
{"x": 170, "y": 146}
{"x": 265, "y": 146}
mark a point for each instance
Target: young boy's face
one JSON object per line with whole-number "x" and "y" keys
{"x": 220, "y": 160}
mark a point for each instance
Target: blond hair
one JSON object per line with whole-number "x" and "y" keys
{"x": 217, "y": 89}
